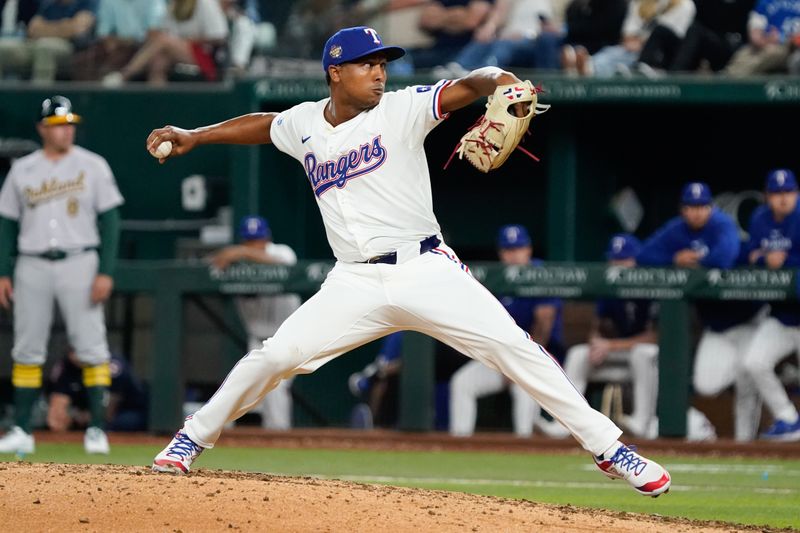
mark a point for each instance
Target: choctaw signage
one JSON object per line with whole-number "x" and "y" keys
{"x": 564, "y": 280}
{"x": 648, "y": 283}
{"x": 749, "y": 284}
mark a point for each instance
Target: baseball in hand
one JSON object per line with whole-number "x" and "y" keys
{"x": 163, "y": 150}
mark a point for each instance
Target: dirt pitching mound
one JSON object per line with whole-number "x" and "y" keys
{"x": 57, "y": 497}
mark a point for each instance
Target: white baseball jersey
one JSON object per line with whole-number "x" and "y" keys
{"x": 376, "y": 163}
{"x": 56, "y": 202}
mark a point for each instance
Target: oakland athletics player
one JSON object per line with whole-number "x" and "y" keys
{"x": 58, "y": 208}
{"x": 262, "y": 315}
{"x": 362, "y": 150}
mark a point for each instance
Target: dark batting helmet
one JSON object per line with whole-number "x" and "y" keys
{"x": 58, "y": 110}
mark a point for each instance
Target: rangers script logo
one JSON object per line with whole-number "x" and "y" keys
{"x": 338, "y": 172}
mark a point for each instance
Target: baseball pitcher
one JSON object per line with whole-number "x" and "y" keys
{"x": 363, "y": 153}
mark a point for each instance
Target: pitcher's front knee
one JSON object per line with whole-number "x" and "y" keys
{"x": 276, "y": 359}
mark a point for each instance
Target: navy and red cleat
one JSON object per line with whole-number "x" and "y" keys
{"x": 178, "y": 456}
{"x": 645, "y": 476}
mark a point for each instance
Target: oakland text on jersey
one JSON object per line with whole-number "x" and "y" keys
{"x": 352, "y": 164}
{"x": 52, "y": 189}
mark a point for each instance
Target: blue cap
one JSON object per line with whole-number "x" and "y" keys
{"x": 351, "y": 43}
{"x": 513, "y": 236}
{"x": 623, "y": 246}
{"x": 254, "y": 227}
{"x": 696, "y": 193}
{"x": 781, "y": 180}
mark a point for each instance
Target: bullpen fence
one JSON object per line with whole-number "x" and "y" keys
{"x": 169, "y": 281}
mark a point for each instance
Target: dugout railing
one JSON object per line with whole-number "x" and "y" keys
{"x": 170, "y": 281}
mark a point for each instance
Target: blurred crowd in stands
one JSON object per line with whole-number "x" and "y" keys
{"x": 157, "y": 41}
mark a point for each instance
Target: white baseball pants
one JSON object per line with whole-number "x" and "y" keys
{"x": 38, "y": 284}
{"x": 431, "y": 293}
{"x": 276, "y": 407}
{"x": 718, "y": 365}
{"x": 475, "y": 380}
{"x": 772, "y": 341}
{"x": 642, "y": 360}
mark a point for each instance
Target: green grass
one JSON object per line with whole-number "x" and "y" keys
{"x": 747, "y": 491}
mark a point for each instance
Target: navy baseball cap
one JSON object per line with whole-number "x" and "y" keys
{"x": 254, "y": 227}
{"x": 696, "y": 193}
{"x": 513, "y": 236}
{"x": 623, "y": 246}
{"x": 351, "y": 43}
{"x": 781, "y": 180}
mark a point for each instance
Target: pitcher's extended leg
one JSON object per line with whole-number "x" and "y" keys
{"x": 453, "y": 307}
{"x": 320, "y": 330}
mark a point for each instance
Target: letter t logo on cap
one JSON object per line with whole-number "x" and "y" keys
{"x": 374, "y": 34}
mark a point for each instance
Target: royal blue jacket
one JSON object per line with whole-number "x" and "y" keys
{"x": 769, "y": 235}
{"x": 717, "y": 241}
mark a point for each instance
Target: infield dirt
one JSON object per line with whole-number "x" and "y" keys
{"x": 102, "y": 498}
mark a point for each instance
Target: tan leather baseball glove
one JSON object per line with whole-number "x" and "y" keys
{"x": 498, "y": 132}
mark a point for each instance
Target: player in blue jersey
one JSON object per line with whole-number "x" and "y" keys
{"x": 622, "y": 332}
{"x": 540, "y": 317}
{"x": 704, "y": 236}
{"x": 773, "y": 243}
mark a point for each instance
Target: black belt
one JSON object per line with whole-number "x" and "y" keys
{"x": 58, "y": 255}
{"x": 425, "y": 245}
